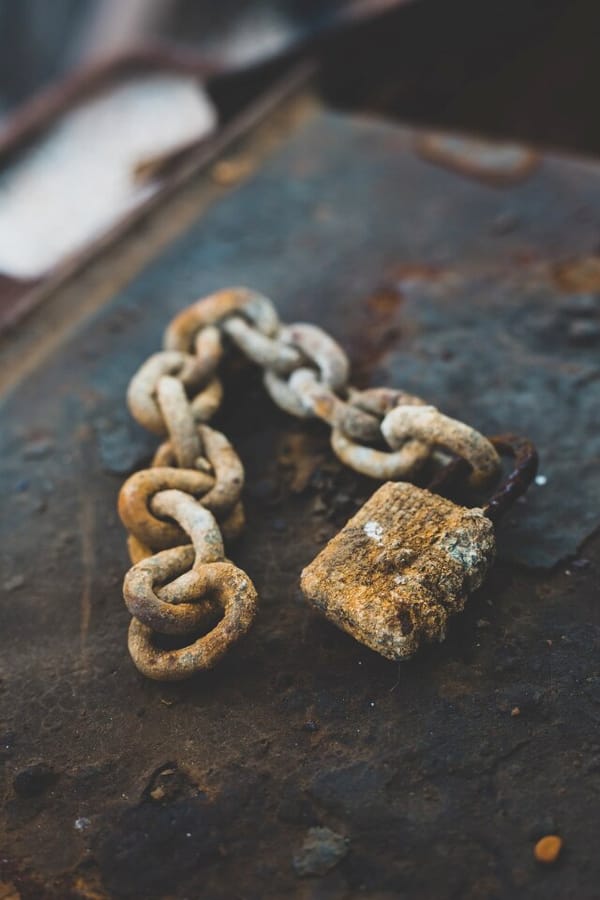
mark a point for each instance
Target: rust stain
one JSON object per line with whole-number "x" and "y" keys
{"x": 378, "y": 321}
{"x": 577, "y": 275}
{"x": 229, "y": 172}
{"x": 384, "y": 302}
{"x": 378, "y": 331}
{"x": 8, "y": 891}
{"x": 300, "y": 455}
{"x": 408, "y": 274}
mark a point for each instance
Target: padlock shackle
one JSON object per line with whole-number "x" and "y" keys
{"x": 510, "y": 489}
{"x": 519, "y": 478}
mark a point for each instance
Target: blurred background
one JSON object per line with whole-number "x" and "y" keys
{"x": 103, "y": 103}
{"x": 517, "y": 68}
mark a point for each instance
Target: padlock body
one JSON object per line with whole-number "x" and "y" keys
{"x": 396, "y": 571}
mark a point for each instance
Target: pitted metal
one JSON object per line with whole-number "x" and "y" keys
{"x": 179, "y": 419}
{"x": 179, "y": 511}
{"x": 267, "y": 352}
{"x": 320, "y": 351}
{"x": 325, "y": 404}
{"x": 141, "y": 393}
{"x": 233, "y": 592}
{"x": 381, "y": 464}
{"x": 136, "y": 496}
{"x": 402, "y": 461}
{"x": 379, "y": 401}
{"x": 185, "y": 589}
{"x": 208, "y": 348}
{"x": 400, "y": 567}
{"x": 409, "y": 558}
{"x": 214, "y": 309}
{"x": 428, "y": 424}
{"x": 228, "y": 471}
{"x": 171, "y": 609}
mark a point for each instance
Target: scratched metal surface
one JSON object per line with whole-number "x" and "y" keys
{"x": 441, "y": 773}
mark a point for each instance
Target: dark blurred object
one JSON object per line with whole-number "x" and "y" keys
{"x": 524, "y": 69}
{"x": 86, "y": 158}
{"x": 39, "y": 42}
{"x": 35, "y": 41}
{"x": 521, "y": 69}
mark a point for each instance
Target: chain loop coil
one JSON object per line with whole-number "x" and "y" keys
{"x": 179, "y": 512}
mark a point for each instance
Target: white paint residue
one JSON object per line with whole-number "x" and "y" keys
{"x": 77, "y": 180}
{"x": 374, "y": 531}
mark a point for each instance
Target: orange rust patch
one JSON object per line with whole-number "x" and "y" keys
{"x": 301, "y": 455}
{"x": 378, "y": 333}
{"x": 384, "y": 301}
{"x": 578, "y": 275}
{"x": 230, "y": 171}
{"x": 548, "y": 848}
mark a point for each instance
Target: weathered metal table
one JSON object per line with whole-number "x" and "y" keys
{"x": 441, "y": 773}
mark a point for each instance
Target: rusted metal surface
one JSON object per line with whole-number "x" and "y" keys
{"x": 442, "y": 774}
{"x": 405, "y": 562}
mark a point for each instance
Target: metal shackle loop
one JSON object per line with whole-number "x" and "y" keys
{"x": 428, "y": 424}
{"x": 263, "y": 350}
{"x": 524, "y": 470}
{"x": 135, "y": 499}
{"x": 403, "y": 461}
{"x": 171, "y": 609}
{"x": 320, "y": 351}
{"x": 329, "y": 407}
{"x": 219, "y": 460}
{"x": 141, "y": 393}
{"x": 511, "y": 487}
{"x": 214, "y": 309}
{"x": 228, "y": 587}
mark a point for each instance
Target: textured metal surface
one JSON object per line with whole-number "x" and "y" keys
{"x": 400, "y": 567}
{"x": 435, "y": 779}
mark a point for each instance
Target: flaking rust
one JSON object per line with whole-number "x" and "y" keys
{"x": 405, "y": 562}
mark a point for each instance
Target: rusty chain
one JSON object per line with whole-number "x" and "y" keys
{"x": 179, "y": 511}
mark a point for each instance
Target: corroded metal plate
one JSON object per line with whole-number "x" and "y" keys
{"x": 482, "y": 299}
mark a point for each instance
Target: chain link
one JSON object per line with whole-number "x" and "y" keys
{"x": 180, "y": 510}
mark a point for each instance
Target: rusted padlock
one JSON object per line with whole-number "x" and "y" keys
{"x": 409, "y": 558}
